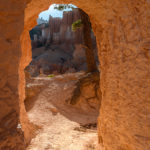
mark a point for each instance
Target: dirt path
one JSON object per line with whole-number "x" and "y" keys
{"x": 62, "y": 126}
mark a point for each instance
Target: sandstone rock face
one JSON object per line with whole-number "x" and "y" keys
{"x": 87, "y": 93}
{"x": 66, "y": 28}
{"x": 122, "y": 32}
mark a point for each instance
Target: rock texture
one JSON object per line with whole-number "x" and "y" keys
{"x": 122, "y": 32}
{"x": 87, "y": 93}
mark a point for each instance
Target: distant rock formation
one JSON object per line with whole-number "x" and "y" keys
{"x": 56, "y": 48}
{"x": 57, "y": 30}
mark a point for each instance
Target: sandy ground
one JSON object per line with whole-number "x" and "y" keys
{"x": 61, "y": 125}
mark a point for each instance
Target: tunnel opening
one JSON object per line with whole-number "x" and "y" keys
{"x": 62, "y": 80}
{"x": 58, "y": 43}
{"x": 122, "y": 33}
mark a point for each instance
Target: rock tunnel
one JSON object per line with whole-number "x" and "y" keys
{"x": 122, "y": 31}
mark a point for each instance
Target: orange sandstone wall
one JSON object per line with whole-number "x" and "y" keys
{"x": 123, "y": 35}
{"x": 122, "y": 31}
{"x": 11, "y": 26}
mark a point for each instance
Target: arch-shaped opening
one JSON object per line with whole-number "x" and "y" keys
{"x": 63, "y": 41}
{"x": 122, "y": 33}
{"x": 29, "y": 22}
{"x": 62, "y": 80}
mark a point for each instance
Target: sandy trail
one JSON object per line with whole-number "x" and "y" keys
{"x": 62, "y": 126}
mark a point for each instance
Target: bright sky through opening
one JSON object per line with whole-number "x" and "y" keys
{"x": 53, "y": 12}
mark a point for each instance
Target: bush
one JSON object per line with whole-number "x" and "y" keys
{"x": 51, "y": 75}
{"x": 76, "y": 24}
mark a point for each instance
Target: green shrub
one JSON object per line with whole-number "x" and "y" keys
{"x": 76, "y": 24}
{"x": 51, "y": 75}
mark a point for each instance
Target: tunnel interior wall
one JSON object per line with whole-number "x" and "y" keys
{"x": 122, "y": 31}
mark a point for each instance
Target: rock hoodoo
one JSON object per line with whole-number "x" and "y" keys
{"x": 56, "y": 48}
{"x": 58, "y": 31}
{"x": 122, "y": 32}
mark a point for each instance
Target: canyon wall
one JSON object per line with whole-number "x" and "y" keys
{"x": 11, "y": 135}
{"x": 59, "y": 30}
{"x": 56, "y": 48}
{"x": 66, "y": 27}
{"x": 122, "y": 31}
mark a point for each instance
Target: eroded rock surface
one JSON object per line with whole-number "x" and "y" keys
{"x": 122, "y": 32}
{"x": 87, "y": 92}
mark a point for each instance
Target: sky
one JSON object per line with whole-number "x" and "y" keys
{"x": 53, "y": 12}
